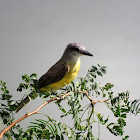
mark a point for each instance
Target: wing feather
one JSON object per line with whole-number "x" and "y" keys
{"x": 54, "y": 74}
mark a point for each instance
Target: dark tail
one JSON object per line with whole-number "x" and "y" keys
{"x": 26, "y": 100}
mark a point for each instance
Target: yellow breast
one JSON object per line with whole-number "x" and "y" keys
{"x": 70, "y": 76}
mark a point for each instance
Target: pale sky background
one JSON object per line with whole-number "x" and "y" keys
{"x": 34, "y": 34}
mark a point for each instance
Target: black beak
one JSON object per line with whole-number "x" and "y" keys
{"x": 87, "y": 53}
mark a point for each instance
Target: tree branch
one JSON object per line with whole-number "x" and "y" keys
{"x": 29, "y": 114}
{"x": 93, "y": 101}
{"x": 36, "y": 111}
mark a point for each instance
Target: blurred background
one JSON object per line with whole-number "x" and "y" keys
{"x": 34, "y": 34}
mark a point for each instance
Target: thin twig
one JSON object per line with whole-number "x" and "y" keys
{"x": 93, "y": 101}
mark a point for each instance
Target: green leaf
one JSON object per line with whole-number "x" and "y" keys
{"x": 123, "y": 115}
{"x": 16, "y": 135}
{"x": 57, "y": 137}
{"x": 25, "y": 78}
{"x": 126, "y": 137}
{"x": 33, "y": 75}
{"x": 63, "y": 110}
{"x": 31, "y": 132}
{"x": 95, "y": 85}
{"x": 93, "y": 68}
{"x": 98, "y": 65}
{"x": 13, "y": 102}
{"x": 103, "y": 69}
{"x": 47, "y": 94}
{"x": 2, "y": 89}
{"x": 99, "y": 73}
{"x": 42, "y": 126}
{"x": 121, "y": 122}
{"x": 25, "y": 135}
{"x": 62, "y": 137}
{"x": 126, "y": 110}
{"x": 134, "y": 106}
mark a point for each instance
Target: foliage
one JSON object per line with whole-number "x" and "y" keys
{"x": 83, "y": 116}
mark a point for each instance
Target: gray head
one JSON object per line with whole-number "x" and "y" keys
{"x": 76, "y": 49}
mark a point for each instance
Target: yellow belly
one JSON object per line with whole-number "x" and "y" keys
{"x": 70, "y": 76}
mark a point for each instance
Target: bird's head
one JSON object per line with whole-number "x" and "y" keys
{"x": 76, "y": 49}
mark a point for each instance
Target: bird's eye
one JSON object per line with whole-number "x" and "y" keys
{"x": 76, "y": 49}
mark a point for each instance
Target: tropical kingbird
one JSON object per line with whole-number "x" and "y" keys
{"x": 61, "y": 73}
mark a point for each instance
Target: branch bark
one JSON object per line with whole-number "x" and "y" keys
{"x": 93, "y": 101}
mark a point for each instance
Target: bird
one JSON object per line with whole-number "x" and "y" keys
{"x": 62, "y": 72}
